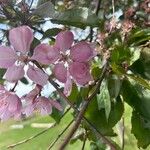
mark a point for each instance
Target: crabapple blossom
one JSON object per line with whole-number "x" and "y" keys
{"x": 10, "y": 104}
{"x": 64, "y": 53}
{"x": 39, "y": 103}
{"x": 14, "y": 58}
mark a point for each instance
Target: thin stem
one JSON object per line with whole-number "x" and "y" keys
{"x": 113, "y": 7}
{"x": 98, "y": 7}
{"x": 31, "y": 4}
{"x": 51, "y": 146}
{"x": 38, "y": 134}
{"x": 13, "y": 89}
{"x": 84, "y": 141}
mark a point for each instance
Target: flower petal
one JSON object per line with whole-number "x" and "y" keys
{"x": 21, "y": 38}
{"x": 68, "y": 85}
{"x": 80, "y": 72}
{"x": 64, "y": 40}
{"x": 14, "y": 103}
{"x": 37, "y": 75}
{"x": 14, "y": 73}
{"x": 7, "y": 57}
{"x": 81, "y": 52}
{"x": 44, "y": 105}
{"x": 56, "y": 105}
{"x": 45, "y": 54}
{"x": 60, "y": 72}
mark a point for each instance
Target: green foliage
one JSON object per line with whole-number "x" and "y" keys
{"x": 78, "y": 17}
{"x": 99, "y": 119}
{"x": 141, "y": 132}
{"x": 2, "y": 72}
{"x": 51, "y": 32}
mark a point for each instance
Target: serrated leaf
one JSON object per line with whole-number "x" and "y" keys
{"x": 141, "y": 133}
{"x": 104, "y": 96}
{"x": 139, "y": 80}
{"x": 114, "y": 85}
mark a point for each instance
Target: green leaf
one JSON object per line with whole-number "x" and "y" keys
{"x": 97, "y": 145}
{"x": 139, "y": 80}
{"x": 136, "y": 99}
{"x": 56, "y": 115}
{"x": 140, "y": 67}
{"x": 117, "y": 69}
{"x": 51, "y": 32}
{"x": 45, "y": 10}
{"x": 84, "y": 91}
{"x": 2, "y": 72}
{"x": 104, "y": 96}
{"x": 139, "y": 36}
{"x": 78, "y": 17}
{"x": 24, "y": 80}
{"x": 96, "y": 72}
{"x": 98, "y": 117}
{"x": 120, "y": 54}
{"x": 74, "y": 93}
{"x": 141, "y": 133}
{"x": 114, "y": 85}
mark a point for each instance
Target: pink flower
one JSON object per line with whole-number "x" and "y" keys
{"x": 10, "y": 105}
{"x": 80, "y": 72}
{"x": 79, "y": 54}
{"x": 14, "y": 58}
{"x": 35, "y": 102}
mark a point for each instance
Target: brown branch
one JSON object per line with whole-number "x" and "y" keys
{"x": 38, "y": 134}
{"x": 60, "y": 135}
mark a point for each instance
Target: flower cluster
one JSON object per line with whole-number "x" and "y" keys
{"x": 70, "y": 61}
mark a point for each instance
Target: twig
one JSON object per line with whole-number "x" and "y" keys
{"x": 98, "y": 7}
{"x": 38, "y": 134}
{"x": 113, "y": 7}
{"x": 31, "y": 4}
{"x": 84, "y": 141}
{"x": 60, "y": 135}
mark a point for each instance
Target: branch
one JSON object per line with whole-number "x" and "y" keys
{"x": 60, "y": 135}
{"x": 38, "y": 134}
